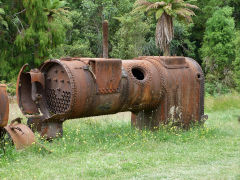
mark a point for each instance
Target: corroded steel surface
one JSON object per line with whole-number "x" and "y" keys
{"x": 24, "y": 99}
{"x": 156, "y": 90}
{"x": 20, "y": 134}
{"x": 107, "y": 75}
{"x": 4, "y": 106}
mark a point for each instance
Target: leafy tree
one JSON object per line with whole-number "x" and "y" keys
{"x": 42, "y": 32}
{"x": 55, "y": 7}
{"x": 3, "y": 23}
{"x": 130, "y": 38}
{"x": 34, "y": 29}
{"x": 84, "y": 37}
{"x": 218, "y": 50}
{"x": 235, "y": 4}
{"x": 181, "y": 44}
{"x": 165, "y": 11}
{"x": 207, "y": 8}
{"x": 87, "y": 18}
{"x": 237, "y": 62}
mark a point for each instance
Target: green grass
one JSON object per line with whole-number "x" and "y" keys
{"x": 108, "y": 148}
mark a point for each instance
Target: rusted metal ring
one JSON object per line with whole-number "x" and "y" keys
{"x": 147, "y": 74}
{"x": 159, "y": 66}
{"x": 71, "y": 79}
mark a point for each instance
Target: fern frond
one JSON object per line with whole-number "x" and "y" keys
{"x": 186, "y": 13}
{"x": 191, "y": 6}
{"x": 139, "y": 8}
{"x": 178, "y": 1}
{"x": 156, "y": 5}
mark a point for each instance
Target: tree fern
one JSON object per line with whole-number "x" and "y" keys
{"x": 165, "y": 11}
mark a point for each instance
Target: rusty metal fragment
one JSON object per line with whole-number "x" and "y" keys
{"x": 20, "y": 134}
{"x": 157, "y": 90}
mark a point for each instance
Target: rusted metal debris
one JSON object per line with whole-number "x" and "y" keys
{"x": 157, "y": 90}
{"x": 20, "y": 135}
{"x": 4, "y": 106}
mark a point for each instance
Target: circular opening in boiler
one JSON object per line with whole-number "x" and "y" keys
{"x": 138, "y": 73}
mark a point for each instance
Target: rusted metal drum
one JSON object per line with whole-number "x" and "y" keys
{"x": 156, "y": 90}
{"x": 4, "y": 106}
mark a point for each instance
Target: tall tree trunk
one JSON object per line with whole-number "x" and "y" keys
{"x": 167, "y": 51}
{"x": 164, "y": 33}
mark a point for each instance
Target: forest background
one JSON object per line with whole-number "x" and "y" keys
{"x": 32, "y": 31}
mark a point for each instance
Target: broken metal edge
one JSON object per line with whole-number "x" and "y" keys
{"x": 21, "y": 135}
{"x": 18, "y": 86}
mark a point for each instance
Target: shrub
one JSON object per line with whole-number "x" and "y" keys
{"x": 237, "y": 62}
{"x": 218, "y": 49}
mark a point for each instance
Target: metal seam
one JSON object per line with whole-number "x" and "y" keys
{"x": 202, "y": 84}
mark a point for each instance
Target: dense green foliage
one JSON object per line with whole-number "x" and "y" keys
{"x": 237, "y": 62}
{"x": 84, "y": 38}
{"x": 34, "y": 27}
{"x": 129, "y": 37}
{"x": 218, "y": 49}
{"x": 181, "y": 45}
{"x": 32, "y": 31}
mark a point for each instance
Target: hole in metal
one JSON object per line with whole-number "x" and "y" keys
{"x": 138, "y": 73}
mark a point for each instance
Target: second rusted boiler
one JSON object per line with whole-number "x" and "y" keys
{"x": 4, "y": 106}
{"x": 157, "y": 90}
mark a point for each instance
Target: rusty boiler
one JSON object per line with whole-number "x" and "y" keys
{"x": 20, "y": 135}
{"x": 157, "y": 90}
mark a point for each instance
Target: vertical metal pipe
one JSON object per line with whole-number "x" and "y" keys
{"x": 105, "y": 39}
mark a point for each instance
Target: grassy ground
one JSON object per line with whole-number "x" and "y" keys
{"x": 108, "y": 148}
